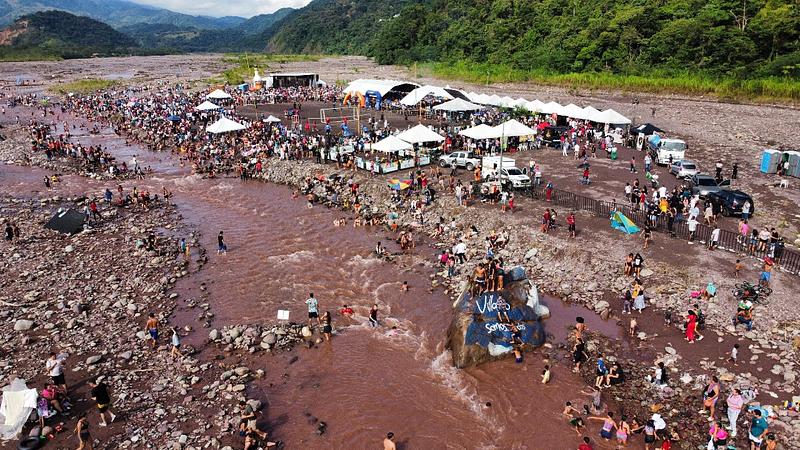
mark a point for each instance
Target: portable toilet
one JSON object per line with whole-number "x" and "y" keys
{"x": 770, "y": 160}
{"x": 794, "y": 163}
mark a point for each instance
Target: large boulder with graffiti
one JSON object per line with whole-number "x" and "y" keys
{"x": 480, "y": 332}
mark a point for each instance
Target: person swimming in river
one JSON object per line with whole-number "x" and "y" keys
{"x": 380, "y": 251}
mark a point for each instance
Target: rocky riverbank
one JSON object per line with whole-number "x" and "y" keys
{"x": 590, "y": 274}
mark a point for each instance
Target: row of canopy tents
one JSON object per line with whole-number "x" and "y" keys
{"x": 421, "y": 134}
{"x": 589, "y": 113}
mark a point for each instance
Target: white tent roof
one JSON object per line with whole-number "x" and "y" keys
{"x": 611, "y": 117}
{"x": 494, "y": 100}
{"x": 224, "y": 125}
{"x": 206, "y": 106}
{"x": 419, "y": 134}
{"x": 218, "y": 94}
{"x": 512, "y": 128}
{"x": 272, "y": 119}
{"x": 551, "y": 107}
{"x": 590, "y": 113}
{"x": 419, "y": 93}
{"x": 380, "y": 86}
{"x": 519, "y": 102}
{"x": 506, "y": 101}
{"x": 392, "y": 144}
{"x": 573, "y": 111}
{"x": 481, "y": 131}
{"x": 457, "y": 105}
{"x": 534, "y": 106}
{"x": 472, "y": 96}
{"x": 483, "y": 99}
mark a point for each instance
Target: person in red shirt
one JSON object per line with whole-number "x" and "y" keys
{"x": 571, "y": 223}
{"x": 586, "y": 444}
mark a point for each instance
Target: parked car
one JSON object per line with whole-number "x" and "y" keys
{"x": 461, "y": 159}
{"x": 705, "y": 184}
{"x": 730, "y": 203}
{"x": 683, "y": 169}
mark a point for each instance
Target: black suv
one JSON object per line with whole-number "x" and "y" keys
{"x": 730, "y": 203}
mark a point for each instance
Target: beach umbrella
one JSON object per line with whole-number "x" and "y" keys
{"x": 398, "y": 184}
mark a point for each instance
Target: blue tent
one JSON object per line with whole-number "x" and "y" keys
{"x": 622, "y": 223}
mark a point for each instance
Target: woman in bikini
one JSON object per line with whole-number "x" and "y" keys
{"x": 606, "y": 432}
{"x": 711, "y": 395}
{"x": 623, "y": 431}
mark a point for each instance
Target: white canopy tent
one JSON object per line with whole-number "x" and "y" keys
{"x": 224, "y": 125}
{"x": 573, "y": 111}
{"x": 218, "y": 94}
{"x": 457, "y": 105}
{"x": 590, "y": 113}
{"x": 257, "y": 78}
{"x": 534, "y": 106}
{"x": 392, "y": 144}
{"x": 420, "y": 134}
{"x": 507, "y": 101}
{"x": 472, "y": 96}
{"x": 207, "y": 106}
{"x": 483, "y": 99}
{"x": 494, "y": 100}
{"x": 511, "y": 128}
{"x": 272, "y": 119}
{"x": 551, "y": 107}
{"x": 612, "y": 117}
{"x": 419, "y": 93}
{"x": 481, "y": 131}
{"x": 520, "y": 102}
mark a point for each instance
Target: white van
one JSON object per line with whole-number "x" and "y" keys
{"x": 509, "y": 172}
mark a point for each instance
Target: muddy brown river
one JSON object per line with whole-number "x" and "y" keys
{"x": 397, "y": 377}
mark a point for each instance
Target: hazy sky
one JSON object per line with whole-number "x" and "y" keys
{"x": 219, "y": 8}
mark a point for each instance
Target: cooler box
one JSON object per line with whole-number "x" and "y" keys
{"x": 770, "y": 160}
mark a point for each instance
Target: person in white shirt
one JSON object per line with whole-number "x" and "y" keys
{"x": 692, "y": 224}
{"x": 55, "y": 368}
{"x": 714, "y": 241}
{"x": 460, "y": 251}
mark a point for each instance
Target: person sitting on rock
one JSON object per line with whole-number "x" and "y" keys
{"x": 247, "y": 419}
{"x": 744, "y": 316}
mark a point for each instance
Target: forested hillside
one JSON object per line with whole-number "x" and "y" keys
{"x": 742, "y": 38}
{"x": 56, "y": 34}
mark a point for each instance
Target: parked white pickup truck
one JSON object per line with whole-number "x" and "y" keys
{"x": 467, "y": 160}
